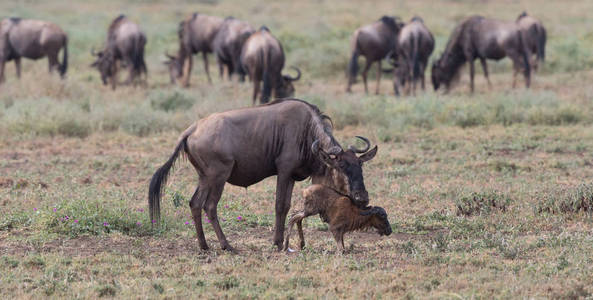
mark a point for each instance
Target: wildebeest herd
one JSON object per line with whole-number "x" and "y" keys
{"x": 289, "y": 138}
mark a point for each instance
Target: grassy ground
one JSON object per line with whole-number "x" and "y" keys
{"x": 489, "y": 195}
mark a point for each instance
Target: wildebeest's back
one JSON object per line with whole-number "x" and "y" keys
{"x": 201, "y": 30}
{"x": 254, "y": 140}
{"x": 33, "y": 38}
{"x": 374, "y": 41}
{"x": 491, "y": 37}
{"x": 258, "y": 48}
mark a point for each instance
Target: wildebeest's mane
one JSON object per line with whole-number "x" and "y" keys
{"x": 453, "y": 58}
{"x": 115, "y": 23}
{"x": 15, "y": 20}
{"x": 522, "y": 15}
{"x": 417, "y": 18}
{"x": 264, "y": 28}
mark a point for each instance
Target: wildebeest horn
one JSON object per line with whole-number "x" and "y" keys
{"x": 356, "y": 150}
{"x": 294, "y": 78}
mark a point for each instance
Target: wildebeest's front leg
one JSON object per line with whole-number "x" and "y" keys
{"x": 187, "y": 66}
{"x": 379, "y": 71}
{"x": 485, "y": 69}
{"x": 114, "y": 75}
{"x": 284, "y": 187}
{"x": 256, "y": 86}
{"x": 339, "y": 237}
{"x": 17, "y": 64}
{"x": 2, "y": 63}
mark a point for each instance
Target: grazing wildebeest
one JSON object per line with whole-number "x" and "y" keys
{"x": 228, "y": 44}
{"x": 196, "y": 34}
{"x": 244, "y": 146}
{"x": 414, "y": 46}
{"x": 125, "y": 45}
{"x": 32, "y": 39}
{"x": 535, "y": 37}
{"x": 481, "y": 38}
{"x": 374, "y": 42}
{"x": 262, "y": 57}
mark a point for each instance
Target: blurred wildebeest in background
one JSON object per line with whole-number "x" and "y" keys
{"x": 482, "y": 38}
{"x": 262, "y": 58}
{"x": 535, "y": 37}
{"x": 228, "y": 44}
{"x": 414, "y": 46}
{"x": 374, "y": 42}
{"x": 32, "y": 39}
{"x": 196, "y": 34}
{"x": 125, "y": 44}
{"x": 244, "y": 146}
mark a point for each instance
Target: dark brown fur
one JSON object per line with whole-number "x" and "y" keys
{"x": 414, "y": 46}
{"x": 244, "y": 146}
{"x": 262, "y": 57}
{"x": 480, "y": 38}
{"x": 32, "y": 39}
{"x": 374, "y": 42}
{"x": 124, "y": 46}
{"x": 339, "y": 211}
{"x": 196, "y": 34}
{"x": 535, "y": 37}
{"x": 228, "y": 44}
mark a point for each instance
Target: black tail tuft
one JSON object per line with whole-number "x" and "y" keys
{"x": 159, "y": 180}
{"x": 64, "y": 65}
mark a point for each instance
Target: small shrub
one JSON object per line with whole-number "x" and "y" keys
{"x": 481, "y": 203}
{"x": 227, "y": 283}
{"x": 73, "y": 128}
{"x": 568, "y": 200}
{"x": 106, "y": 291}
{"x": 171, "y": 102}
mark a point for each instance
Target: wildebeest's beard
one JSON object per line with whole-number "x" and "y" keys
{"x": 345, "y": 170}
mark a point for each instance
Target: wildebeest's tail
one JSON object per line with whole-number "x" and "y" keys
{"x": 138, "y": 56}
{"x": 159, "y": 179}
{"x": 353, "y": 64}
{"x": 541, "y": 43}
{"x": 267, "y": 76}
{"x": 415, "y": 63}
{"x": 64, "y": 65}
{"x": 525, "y": 54}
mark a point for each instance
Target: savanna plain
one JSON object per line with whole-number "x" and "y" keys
{"x": 489, "y": 195}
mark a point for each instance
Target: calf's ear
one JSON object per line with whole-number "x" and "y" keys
{"x": 369, "y": 155}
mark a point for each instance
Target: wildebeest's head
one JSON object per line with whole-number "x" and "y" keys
{"x": 286, "y": 88}
{"x": 346, "y": 169}
{"x": 175, "y": 66}
{"x": 378, "y": 219}
{"x": 104, "y": 63}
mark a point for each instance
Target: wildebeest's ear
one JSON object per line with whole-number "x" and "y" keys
{"x": 369, "y": 155}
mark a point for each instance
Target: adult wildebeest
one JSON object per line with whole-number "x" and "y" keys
{"x": 289, "y": 138}
{"x": 125, "y": 45}
{"x": 482, "y": 38}
{"x": 228, "y": 44}
{"x": 374, "y": 42}
{"x": 196, "y": 34}
{"x": 535, "y": 37}
{"x": 262, "y": 57}
{"x": 32, "y": 39}
{"x": 414, "y": 46}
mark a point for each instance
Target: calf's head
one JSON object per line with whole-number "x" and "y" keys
{"x": 378, "y": 219}
{"x": 345, "y": 169}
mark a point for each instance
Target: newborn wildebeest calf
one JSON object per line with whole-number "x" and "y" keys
{"x": 339, "y": 211}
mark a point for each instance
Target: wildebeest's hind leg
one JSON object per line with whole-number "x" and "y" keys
{"x": 196, "y": 205}
{"x": 339, "y": 237}
{"x": 485, "y": 69}
{"x": 205, "y": 56}
{"x": 214, "y": 194}
{"x": 17, "y": 64}
{"x": 472, "y": 72}
{"x": 284, "y": 185}
{"x": 2, "y": 63}
{"x": 365, "y": 73}
{"x": 256, "y": 86}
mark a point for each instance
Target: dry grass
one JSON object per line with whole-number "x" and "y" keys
{"x": 486, "y": 193}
